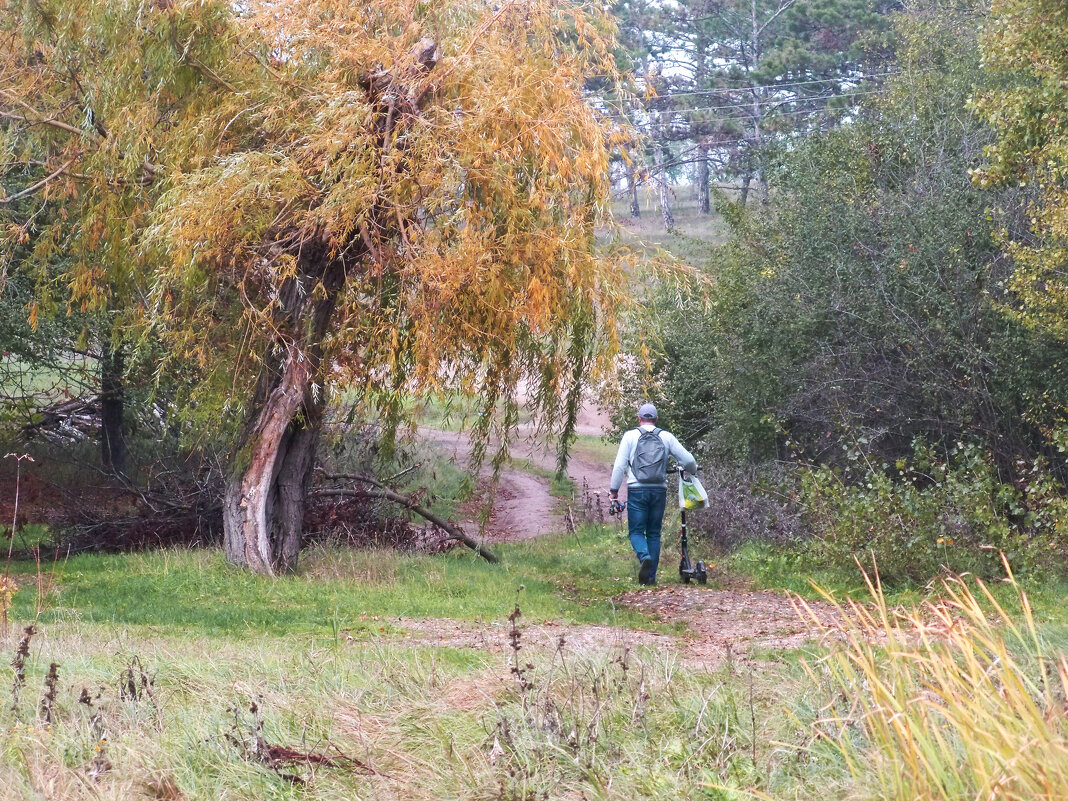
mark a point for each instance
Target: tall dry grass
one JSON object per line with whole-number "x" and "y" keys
{"x": 958, "y": 698}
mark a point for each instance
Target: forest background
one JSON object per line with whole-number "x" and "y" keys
{"x": 258, "y": 262}
{"x": 862, "y": 336}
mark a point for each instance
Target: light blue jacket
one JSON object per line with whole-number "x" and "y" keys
{"x": 626, "y": 453}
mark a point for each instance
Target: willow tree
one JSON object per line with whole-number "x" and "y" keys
{"x": 398, "y": 196}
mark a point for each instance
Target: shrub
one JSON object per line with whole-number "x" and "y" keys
{"x": 928, "y": 514}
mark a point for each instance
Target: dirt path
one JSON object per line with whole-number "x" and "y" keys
{"x": 721, "y": 624}
{"x": 523, "y": 507}
{"x": 726, "y": 623}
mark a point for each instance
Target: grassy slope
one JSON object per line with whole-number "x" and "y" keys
{"x": 317, "y": 656}
{"x": 571, "y": 579}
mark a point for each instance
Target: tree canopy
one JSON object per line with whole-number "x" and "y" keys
{"x": 1023, "y": 45}
{"x": 403, "y": 196}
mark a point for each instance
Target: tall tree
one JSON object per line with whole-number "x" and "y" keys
{"x": 398, "y": 195}
{"x": 733, "y": 76}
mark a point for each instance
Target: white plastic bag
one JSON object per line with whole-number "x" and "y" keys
{"x": 692, "y": 494}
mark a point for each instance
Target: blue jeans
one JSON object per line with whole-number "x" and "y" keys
{"x": 645, "y": 518}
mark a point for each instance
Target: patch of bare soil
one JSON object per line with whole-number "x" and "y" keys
{"x": 726, "y": 623}
{"x": 721, "y": 625}
{"x": 494, "y": 637}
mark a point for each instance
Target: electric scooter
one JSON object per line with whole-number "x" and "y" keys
{"x": 688, "y": 570}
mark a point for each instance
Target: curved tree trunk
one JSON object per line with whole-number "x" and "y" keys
{"x": 257, "y": 515}
{"x": 264, "y": 501}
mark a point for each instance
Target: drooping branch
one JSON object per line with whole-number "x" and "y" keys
{"x": 31, "y": 189}
{"x": 382, "y": 491}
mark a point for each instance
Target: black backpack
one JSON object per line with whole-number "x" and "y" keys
{"x": 649, "y": 463}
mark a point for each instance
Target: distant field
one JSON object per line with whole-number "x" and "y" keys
{"x": 692, "y": 237}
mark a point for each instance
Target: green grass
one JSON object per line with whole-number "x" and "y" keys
{"x": 691, "y": 240}
{"x": 594, "y": 449}
{"x": 434, "y": 723}
{"x": 45, "y": 383}
{"x": 791, "y": 569}
{"x": 329, "y": 668}
{"x": 559, "y": 486}
{"x": 572, "y": 579}
{"x": 326, "y": 670}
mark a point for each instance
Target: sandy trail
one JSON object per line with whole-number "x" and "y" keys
{"x": 721, "y": 624}
{"x": 523, "y": 507}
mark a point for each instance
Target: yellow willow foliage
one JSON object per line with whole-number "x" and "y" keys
{"x": 957, "y": 699}
{"x": 435, "y": 170}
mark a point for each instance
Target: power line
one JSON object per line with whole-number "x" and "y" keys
{"x": 747, "y": 106}
{"x": 814, "y": 81}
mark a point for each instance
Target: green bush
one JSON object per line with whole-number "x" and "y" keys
{"x": 928, "y": 514}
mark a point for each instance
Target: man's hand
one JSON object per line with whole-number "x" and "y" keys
{"x": 615, "y": 507}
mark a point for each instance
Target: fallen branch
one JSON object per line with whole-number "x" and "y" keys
{"x": 384, "y": 492}
{"x": 280, "y": 754}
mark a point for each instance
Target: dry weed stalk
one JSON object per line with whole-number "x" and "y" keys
{"x": 22, "y": 653}
{"x": 48, "y": 700}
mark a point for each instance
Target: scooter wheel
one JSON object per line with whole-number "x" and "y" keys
{"x": 685, "y": 578}
{"x": 702, "y": 573}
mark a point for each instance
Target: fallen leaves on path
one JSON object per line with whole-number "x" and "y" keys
{"x": 726, "y": 622}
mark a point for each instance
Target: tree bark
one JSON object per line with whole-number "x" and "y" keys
{"x": 252, "y": 523}
{"x": 112, "y": 407}
{"x": 632, "y": 187}
{"x": 662, "y": 190}
{"x": 704, "y": 202}
{"x": 746, "y": 180}
{"x": 264, "y": 501}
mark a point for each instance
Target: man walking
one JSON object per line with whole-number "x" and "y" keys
{"x": 643, "y": 457}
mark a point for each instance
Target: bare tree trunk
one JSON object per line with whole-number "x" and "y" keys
{"x": 701, "y": 65}
{"x": 254, "y": 521}
{"x": 632, "y": 186}
{"x": 746, "y": 180}
{"x": 704, "y": 203}
{"x": 112, "y": 407}
{"x": 264, "y": 502}
{"x": 662, "y": 190}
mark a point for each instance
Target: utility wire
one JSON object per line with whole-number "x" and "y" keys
{"x": 814, "y": 81}
{"x": 746, "y": 105}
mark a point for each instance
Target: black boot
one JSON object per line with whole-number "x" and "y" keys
{"x": 645, "y": 572}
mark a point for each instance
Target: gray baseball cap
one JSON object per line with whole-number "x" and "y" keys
{"x": 647, "y": 412}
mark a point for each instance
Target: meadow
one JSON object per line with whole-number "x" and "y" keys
{"x": 376, "y": 674}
